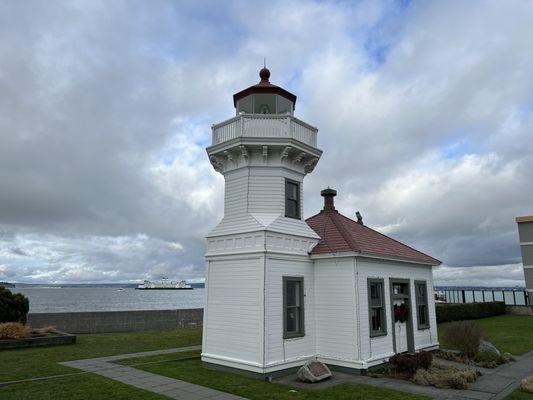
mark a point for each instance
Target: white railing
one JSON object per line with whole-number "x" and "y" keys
{"x": 260, "y": 125}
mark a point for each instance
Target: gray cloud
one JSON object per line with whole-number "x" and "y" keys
{"x": 424, "y": 115}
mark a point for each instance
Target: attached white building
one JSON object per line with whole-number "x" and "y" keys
{"x": 281, "y": 290}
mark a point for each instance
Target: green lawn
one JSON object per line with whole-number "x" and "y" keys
{"x": 78, "y": 387}
{"x": 506, "y": 332}
{"x": 41, "y": 362}
{"x": 519, "y": 395}
{"x": 192, "y": 371}
{"x": 509, "y": 333}
{"x": 31, "y": 363}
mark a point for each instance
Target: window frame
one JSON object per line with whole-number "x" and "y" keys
{"x": 383, "y": 331}
{"x": 301, "y": 308}
{"x": 298, "y": 200}
{"x": 422, "y": 326}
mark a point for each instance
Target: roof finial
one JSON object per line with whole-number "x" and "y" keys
{"x": 264, "y": 62}
{"x": 264, "y": 74}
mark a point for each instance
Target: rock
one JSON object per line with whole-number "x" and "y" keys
{"x": 488, "y": 347}
{"x": 527, "y": 384}
{"x": 313, "y": 371}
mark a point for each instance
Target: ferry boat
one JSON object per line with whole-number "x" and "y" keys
{"x": 164, "y": 284}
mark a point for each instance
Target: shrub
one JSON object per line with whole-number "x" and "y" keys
{"x": 465, "y": 336}
{"x": 407, "y": 364}
{"x": 462, "y": 311}
{"x": 488, "y": 359}
{"x": 13, "y": 307}
{"x": 46, "y": 329}
{"x": 14, "y": 330}
{"x": 442, "y": 376}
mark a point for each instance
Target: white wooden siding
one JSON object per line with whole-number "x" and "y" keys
{"x": 234, "y": 323}
{"x": 278, "y": 350}
{"x": 335, "y": 308}
{"x": 266, "y": 194}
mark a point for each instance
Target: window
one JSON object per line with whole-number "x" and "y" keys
{"x": 422, "y": 304}
{"x": 293, "y": 307}
{"x": 284, "y": 106}
{"x": 376, "y": 307}
{"x": 264, "y": 104}
{"x": 292, "y": 199}
{"x": 245, "y": 105}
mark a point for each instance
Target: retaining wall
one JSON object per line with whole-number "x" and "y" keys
{"x": 118, "y": 321}
{"x": 519, "y": 310}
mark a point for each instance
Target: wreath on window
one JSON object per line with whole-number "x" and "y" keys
{"x": 400, "y": 312}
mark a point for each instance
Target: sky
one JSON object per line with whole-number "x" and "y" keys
{"x": 424, "y": 110}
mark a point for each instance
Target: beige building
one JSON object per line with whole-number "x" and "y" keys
{"x": 525, "y": 233}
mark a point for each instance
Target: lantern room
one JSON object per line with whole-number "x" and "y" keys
{"x": 264, "y": 98}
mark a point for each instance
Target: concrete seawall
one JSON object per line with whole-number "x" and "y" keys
{"x": 118, "y": 321}
{"x": 519, "y": 310}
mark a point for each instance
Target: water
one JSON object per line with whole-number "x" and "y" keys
{"x": 110, "y": 299}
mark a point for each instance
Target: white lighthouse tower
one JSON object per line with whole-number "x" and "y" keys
{"x": 259, "y": 313}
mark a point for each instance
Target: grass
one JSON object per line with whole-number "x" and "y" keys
{"x": 79, "y": 387}
{"x": 192, "y": 371}
{"x": 37, "y": 362}
{"x": 40, "y": 362}
{"x": 506, "y": 332}
{"x": 519, "y": 395}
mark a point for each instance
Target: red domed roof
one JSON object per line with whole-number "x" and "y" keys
{"x": 264, "y": 86}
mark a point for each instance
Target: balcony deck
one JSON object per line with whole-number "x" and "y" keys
{"x": 260, "y": 125}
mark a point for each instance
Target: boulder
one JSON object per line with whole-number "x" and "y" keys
{"x": 488, "y": 347}
{"x": 313, "y": 371}
{"x": 527, "y": 384}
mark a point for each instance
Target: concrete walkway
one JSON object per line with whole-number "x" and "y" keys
{"x": 172, "y": 388}
{"x": 494, "y": 384}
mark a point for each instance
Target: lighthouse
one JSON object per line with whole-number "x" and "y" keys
{"x": 281, "y": 290}
{"x": 259, "y": 308}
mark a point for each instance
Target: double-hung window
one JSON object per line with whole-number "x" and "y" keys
{"x": 292, "y": 199}
{"x": 376, "y": 307}
{"x": 293, "y": 307}
{"x": 422, "y": 304}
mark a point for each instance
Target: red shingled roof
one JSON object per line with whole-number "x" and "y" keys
{"x": 341, "y": 234}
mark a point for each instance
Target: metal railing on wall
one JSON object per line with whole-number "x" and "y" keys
{"x": 509, "y": 297}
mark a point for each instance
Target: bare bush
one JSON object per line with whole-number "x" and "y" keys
{"x": 46, "y": 329}
{"x": 14, "y": 330}
{"x": 465, "y": 336}
{"x": 443, "y": 376}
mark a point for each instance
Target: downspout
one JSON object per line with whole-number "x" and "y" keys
{"x": 358, "y": 311}
{"x": 264, "y": 300}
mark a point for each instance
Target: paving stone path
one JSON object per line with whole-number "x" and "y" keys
{"x": 494, "y": 384}
{"x": 172, "y": 388}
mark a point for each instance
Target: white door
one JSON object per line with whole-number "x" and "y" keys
{"x": 400, "y": 330}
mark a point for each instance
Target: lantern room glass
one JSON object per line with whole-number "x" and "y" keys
{"x": 265, "y": 104}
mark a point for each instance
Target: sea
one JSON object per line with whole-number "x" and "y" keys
{"x": 56, "y": 299}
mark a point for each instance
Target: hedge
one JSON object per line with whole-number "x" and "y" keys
{"x": 461, "y": 311}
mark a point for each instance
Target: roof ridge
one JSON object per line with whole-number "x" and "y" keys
{"x": 346, "y": 235}
{"x": 388, "y": 237}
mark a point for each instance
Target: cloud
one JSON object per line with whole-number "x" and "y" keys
{"x": 424, "y": 111}
{"x": 505, "y": 275}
